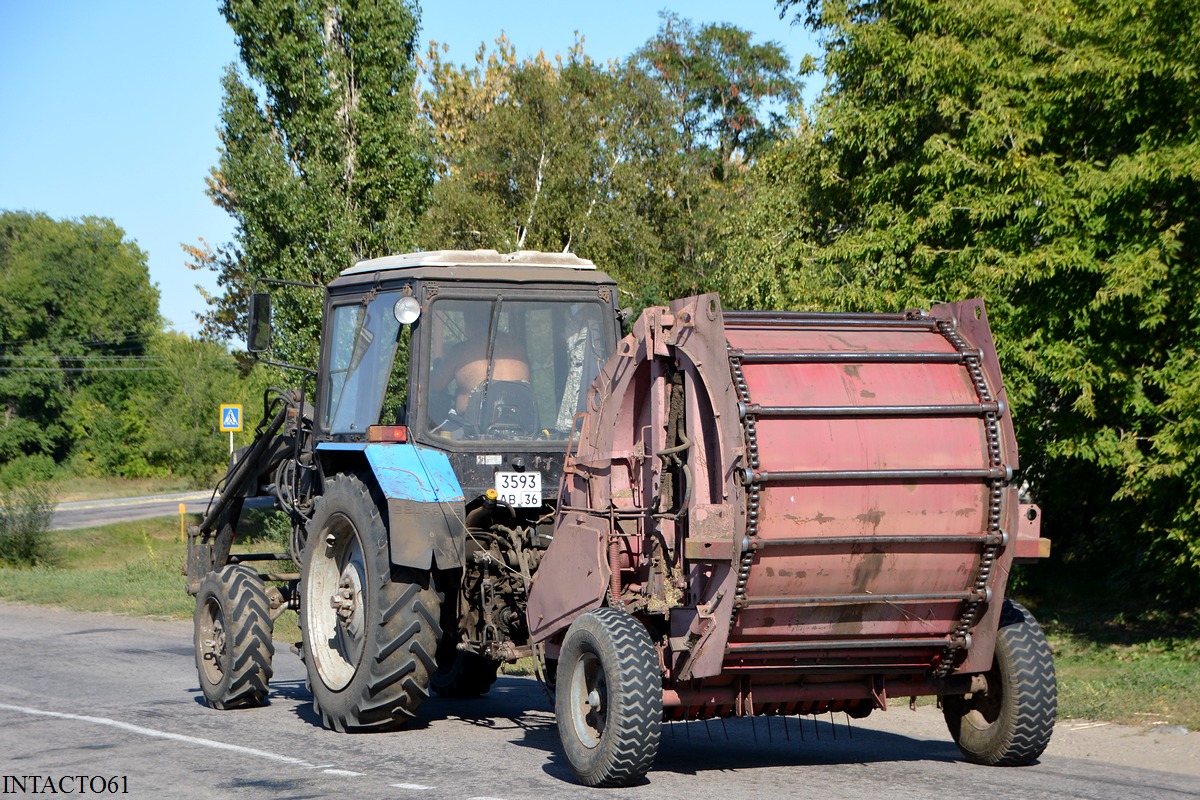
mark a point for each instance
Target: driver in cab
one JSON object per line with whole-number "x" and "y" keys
{"x": 465, "y": 365}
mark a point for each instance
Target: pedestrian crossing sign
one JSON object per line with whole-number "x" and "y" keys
{"x": 231, "y": 418}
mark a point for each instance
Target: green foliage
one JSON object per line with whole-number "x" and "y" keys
{"x": 619, "y": 163}
{"x": 89, "y": 383}
{"x": 24, "y": 470}
{"x": 721, "y": 84}
{"x": 321, "y": 161}
{"x": 1046, "y": 158}
{"x": 77, "y": 303}
{"x": 562, "y": 155}
{"x": 165, "y": 421}
{"x": 25, "y": 516}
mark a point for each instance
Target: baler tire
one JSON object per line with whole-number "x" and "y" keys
{"x": 609, "y": 699}
{"x": 232, "y": 638}
{"x": 1011, "y": 724}
{"x": 462, "y": 675}
{"x": 368, "y": 662}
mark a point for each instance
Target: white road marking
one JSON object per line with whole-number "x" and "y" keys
{"x": 416, "y": 787}
{"x": 156, "y": 734}
{"x": 343, "y": 772}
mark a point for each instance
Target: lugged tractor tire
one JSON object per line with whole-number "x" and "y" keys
{"x": 608, "y": 701}
{"x": 462, "y": 675}
{"x": 368, "y": 659}
{"x": 1010, "y": 724}
{"x": 232, "y": 638}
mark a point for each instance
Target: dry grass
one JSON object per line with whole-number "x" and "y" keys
{"x": 69, "y": 490}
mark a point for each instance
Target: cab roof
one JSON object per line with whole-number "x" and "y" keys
{"x": 523, "y": 266}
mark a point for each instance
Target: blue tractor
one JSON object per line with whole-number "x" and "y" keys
{"x": 419, "y": 465}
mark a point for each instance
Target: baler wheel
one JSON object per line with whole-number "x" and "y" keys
{"x": 1011, "y": 723}
{"x": 609, "y": 699}
{"x": 233, "y": 638}
{"x": 370, "y": 630}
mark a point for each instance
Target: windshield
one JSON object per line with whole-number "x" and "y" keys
{"x": 360, "y": 386}
{"x": 503, "y": 368}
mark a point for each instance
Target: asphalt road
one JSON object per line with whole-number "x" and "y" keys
{"x": 99, "y": 695}
{"x": 90, "y": 513}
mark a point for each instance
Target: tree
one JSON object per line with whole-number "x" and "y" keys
{"x": 1046, "y": 157}
{"x": 563, "y": 155}
{"x": 325, "y": 167}
{"x": 629, "y": 163}
{"x": 77, "y": 303}
{"x": 723, "y": 87}
{"x": 163, "y": 421}
{"x": 88, "y": 381}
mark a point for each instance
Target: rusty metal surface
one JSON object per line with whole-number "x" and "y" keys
{"x": 1030, "y": 544}
{"x": 837, "y": 489}
{"x": 613, "y": 477}
{"x": 572, "y": 578}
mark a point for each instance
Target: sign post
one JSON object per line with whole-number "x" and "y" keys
{"x": 231, "y": 420}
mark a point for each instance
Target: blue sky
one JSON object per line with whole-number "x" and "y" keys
{"x": 110, "y": 108}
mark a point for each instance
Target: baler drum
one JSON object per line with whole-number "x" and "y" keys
{"x": 875, "y": 449}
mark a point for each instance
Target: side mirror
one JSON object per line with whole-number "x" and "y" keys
{"x": 258, "y": 335}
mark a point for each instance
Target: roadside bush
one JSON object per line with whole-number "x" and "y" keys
{"x": 24, "y": 470}
{"x": 25, "y": 515}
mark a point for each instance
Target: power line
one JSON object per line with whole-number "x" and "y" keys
{"x": 125, "y": 336}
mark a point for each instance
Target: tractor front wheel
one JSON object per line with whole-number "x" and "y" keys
{"x": 233, "y": 638}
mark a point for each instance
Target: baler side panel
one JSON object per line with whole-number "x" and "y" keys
{"x": 601, "y": 478}
{"x": 715, "y": 518}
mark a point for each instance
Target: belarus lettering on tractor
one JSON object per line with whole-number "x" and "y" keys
{"x": 722, "y": 514}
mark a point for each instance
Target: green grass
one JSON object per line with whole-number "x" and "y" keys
{"x": 1121, "y": 655}
{"x": 83, "y": 488}
{"x": 1154, "y": 682}
{"x": 1119, "y": 660}
{"x": 127, "y": 568}
{"x": 133, "y": 568}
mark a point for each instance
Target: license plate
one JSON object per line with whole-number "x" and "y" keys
{"x": 520, "y": 489}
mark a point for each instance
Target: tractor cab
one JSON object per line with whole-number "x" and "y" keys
{"x": 483, "y": 356}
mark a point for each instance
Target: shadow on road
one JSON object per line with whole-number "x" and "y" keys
{"x": 518, "y": 706}
{"x": 697, "y": 747}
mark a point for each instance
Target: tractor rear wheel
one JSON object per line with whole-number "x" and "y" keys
{"x": 370, "y": 630}
{"x": 1010, "y": 724}
{"x": 609, "y": 699}
{"x": 233, "y": 638}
